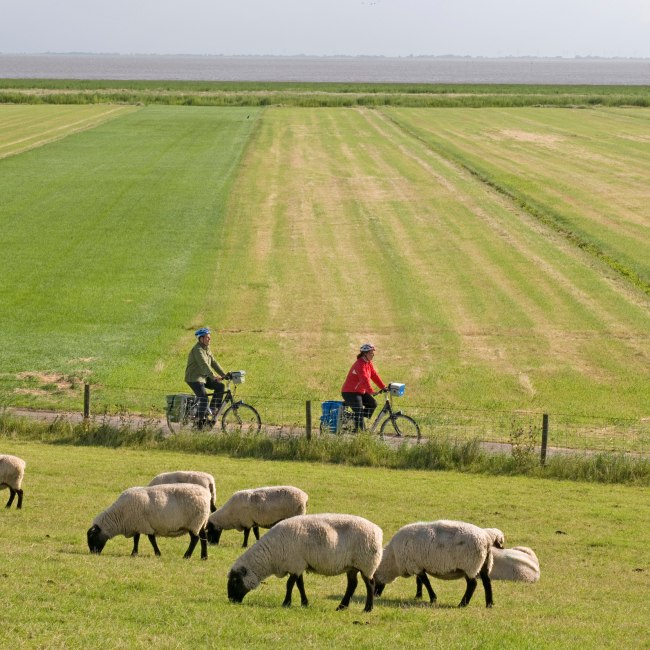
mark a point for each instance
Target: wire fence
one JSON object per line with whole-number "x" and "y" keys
{"x": 504, "y": 430}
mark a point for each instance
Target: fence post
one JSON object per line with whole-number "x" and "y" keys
{"x": 308, "y": 418}
{"x": 86, "y": 401}
{"x": 544, "y": 437}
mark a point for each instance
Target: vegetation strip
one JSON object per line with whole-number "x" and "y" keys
{"x": 359, "y": 451}
{"x": 198, "y": 93}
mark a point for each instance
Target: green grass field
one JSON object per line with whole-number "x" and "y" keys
{"x": 589, "y": 538}
{"x": 299, "y": 233}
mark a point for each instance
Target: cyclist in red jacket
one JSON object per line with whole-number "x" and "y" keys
{"x": 357, "y": 390}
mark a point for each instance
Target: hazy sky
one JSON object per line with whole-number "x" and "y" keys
{"x": 491, "y": 28}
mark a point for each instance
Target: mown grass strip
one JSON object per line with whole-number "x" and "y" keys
{"x": 24, "y": 128}
{"x": 543, "y": 213}
{"x": 128, "y": 216}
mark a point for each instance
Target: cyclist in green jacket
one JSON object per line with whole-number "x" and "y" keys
{"x": 203, "y": 371}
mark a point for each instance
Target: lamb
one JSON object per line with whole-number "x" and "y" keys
{"x": 12, "y": 471}
{"x": 263, "y": 507}
{"x": 327, "y": 544}
{"x": 443, "y": 549}
{"x": 518, "y": 564}
{"x": 168, "y": 510}
{"x": 199, "y": 478}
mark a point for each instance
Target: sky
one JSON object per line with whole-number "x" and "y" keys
{"x": 392, "y": 28}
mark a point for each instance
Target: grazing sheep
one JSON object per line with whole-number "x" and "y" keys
{"x": 328, "y": 544}
{"x": 443, "y": 549}
{"x": 199, "y": 478}
{"x": 12, "y": 470}
{"x": 519, "y": 564}
{"x": 263, "y": 507}
{"x": 168, "y": 510}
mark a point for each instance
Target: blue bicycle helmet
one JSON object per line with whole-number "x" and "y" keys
{"x": 202, "y": 332}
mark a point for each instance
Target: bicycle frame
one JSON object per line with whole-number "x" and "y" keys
{"x": 228, "y": 398}
{"x": 386, "y": 408}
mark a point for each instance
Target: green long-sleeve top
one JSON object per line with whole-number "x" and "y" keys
{"x": 201, "y": 363}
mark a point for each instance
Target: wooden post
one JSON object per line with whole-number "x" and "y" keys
{"x": 86, "y": 401}
{"x": 544, "y": 437}
{"x": 308, "y": 418}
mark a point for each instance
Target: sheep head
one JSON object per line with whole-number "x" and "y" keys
{"x": 213, "y": 533}
{"x": 96, "y": 539}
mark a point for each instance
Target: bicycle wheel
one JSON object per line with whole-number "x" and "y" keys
{"x": 400, "y": 427}
{"x": 241, "y": 418}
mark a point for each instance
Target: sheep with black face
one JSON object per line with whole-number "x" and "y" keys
{"x": 327, "y": 544}
{"x": 168, "y": 510}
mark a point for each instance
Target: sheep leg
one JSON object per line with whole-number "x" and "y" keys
{"x": 352, "y": 585}
{"x": 423, "y": 579}
{"x": 301, "y": 588}
{"x": 471, "y": 586}
{"x": 487, "y": 586}
{"x": 19, "y": 505}
{"x": 247, "y": 532}
{"x": 370, "y": 592}
{"x": 12, "y": 494}
{"x": 418, "y": 587}
{"x": 136, "y": 541}
{"x": 156, "y": 550}
{"x": 256, "y": 531}
{"x": 203, "y": 536}
{"x": 194, "y": 540}
{"x": 293, "y": 578}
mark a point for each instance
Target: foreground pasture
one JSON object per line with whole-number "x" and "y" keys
{"x": 590, "y": 541}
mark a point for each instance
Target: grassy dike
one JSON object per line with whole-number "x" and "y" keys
{"x": 300, "y": 232}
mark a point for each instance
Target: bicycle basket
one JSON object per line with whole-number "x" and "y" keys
{"x": 330, "y": 416}
{"x": 396, "y": 389}
{"x": 238, "y": 376}
{"x": 177, "y": 406}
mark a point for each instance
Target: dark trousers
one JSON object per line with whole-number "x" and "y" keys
{"x": 362, "y": 404}
{"x": 201, "y": 392}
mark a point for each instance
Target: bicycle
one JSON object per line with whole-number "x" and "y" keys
{"x": 235, "y": 415}
{"x": 392, "y": 424}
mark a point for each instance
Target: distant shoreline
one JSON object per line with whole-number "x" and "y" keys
{"x": 333, "y": 69}
{"x": 338, "y": 56}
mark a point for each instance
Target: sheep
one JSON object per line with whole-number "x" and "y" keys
{"x": 168, "y": 510}
{"x": 443, "y": 549}
{"x": 253, "y": 508}
{"x": 327, "y": 544}
{"x": 12, "y": 470}
{"x": 199, "y": 478}
{"x": 518, "y": 564}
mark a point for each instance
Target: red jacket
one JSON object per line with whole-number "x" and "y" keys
{"x": 358, "y": 379}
